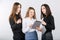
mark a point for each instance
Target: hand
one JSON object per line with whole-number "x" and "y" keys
{"x": 18, "y": 21}
{"x": 39, "y": 29}
{"x": 43, "y": 22}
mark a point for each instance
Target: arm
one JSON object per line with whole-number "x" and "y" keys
{"x": 12, "y": 23}
{"x": 25, "y": 27}
{"x": 50, "y": 25}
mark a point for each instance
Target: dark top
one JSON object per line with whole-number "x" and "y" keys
{"x": 16, "y": 28}
{"x": 49, "y": 23}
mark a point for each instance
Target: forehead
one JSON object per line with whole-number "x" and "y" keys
{"x": 18, "y": 5}
{"x": 43, "y": 6}
{"x": 31, "y": 10}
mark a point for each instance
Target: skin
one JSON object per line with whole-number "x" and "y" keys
{"x": 18, "y": 10}
{"x": 43, "y": 22}
{"x": 31, "y": 14}
{"x": 44, "y": 12}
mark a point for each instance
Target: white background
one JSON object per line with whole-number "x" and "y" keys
{"x": 5, "y": 9}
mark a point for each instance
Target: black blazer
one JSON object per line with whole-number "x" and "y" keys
{"x": 16, "y": 28}
{"x": 50, "y": 23}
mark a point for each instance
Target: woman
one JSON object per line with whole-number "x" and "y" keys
{"x": 30, "y": 34}
{"x": 47, "y": 23}
{"x": 16, "y": 22}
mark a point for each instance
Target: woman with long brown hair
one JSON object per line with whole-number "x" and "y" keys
{"x": 30, "y": 34}
{"x": 47, "y": 23}
{"x": 15, "y": 21}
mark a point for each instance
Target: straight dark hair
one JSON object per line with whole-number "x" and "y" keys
{"x": 48, "y": 11}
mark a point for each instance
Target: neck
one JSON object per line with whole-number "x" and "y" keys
{"x": 44, "y": 13}
{"x": 30, "y": 17}
{"x": 17, "y": 13}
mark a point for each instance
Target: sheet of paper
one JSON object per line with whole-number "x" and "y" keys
{"x": 36, "y": 24}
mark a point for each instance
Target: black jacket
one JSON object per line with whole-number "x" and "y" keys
{"x": 16, "y": 28}
{"x": 50, "y": 23}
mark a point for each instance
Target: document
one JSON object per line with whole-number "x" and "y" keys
{"x": 36, "y": 24}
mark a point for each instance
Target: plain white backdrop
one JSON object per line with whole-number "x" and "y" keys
{"x": 5, "y": 9}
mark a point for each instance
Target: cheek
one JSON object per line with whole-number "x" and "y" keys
{"x": 43, "y": 10}
{"x": 18, "y": 9}
{"x": 31, "y": 14}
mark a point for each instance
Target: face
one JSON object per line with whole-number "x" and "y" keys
{"x": 31, "y": 13}
{"x": 18, "y": 8}
{"x": 43, "y": 9}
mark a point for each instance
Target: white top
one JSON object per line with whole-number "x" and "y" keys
{"x": 25, "y": 25}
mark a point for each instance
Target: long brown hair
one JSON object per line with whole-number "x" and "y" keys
{"x": 48, "y": 11}
{"x": 27, "y": 14}
{"x": 14, "y": 9}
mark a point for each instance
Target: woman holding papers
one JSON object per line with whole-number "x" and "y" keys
{"x": 47, "y": 23}
{"x": 16, "y": 22}
{"x": 30, "y": 34}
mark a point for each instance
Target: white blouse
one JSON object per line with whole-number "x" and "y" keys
{"x": 25, "y": 25}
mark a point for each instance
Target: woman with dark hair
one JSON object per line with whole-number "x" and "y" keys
{"x": 15, "y": 21}
{"x": 47, "y": 23}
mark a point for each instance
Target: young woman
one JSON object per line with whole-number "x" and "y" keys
{"x": 16, "y": 22}
{"x": 30, "y": 34}
{"x": 47, "y": 23}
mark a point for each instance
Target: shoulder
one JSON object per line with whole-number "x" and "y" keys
{"x": 25, "y": 19}
{"x": 11, "y": 18}
{"x": 50, "y": 17}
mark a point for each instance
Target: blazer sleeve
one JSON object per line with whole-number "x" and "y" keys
{"x": 13, "y": 24}
{"x": 50, "y": 25}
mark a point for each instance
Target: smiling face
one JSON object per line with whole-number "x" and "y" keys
{"x": 43, "y": 10}
{"x": 18, "y": 8}
{"x": 31, "y": 13}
